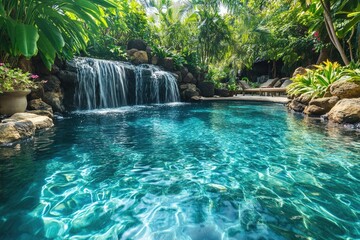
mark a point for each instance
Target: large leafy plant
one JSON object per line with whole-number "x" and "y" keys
{"x": 48, "y": 27}
{"x": 352, "y": 72}
{"x": 316, "y": 82}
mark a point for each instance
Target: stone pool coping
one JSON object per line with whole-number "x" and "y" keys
{"x": 283, "y": 100}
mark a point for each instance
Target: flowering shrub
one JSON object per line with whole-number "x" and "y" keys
{"x": 15, "y": 79}
{"x": 316, "y": 82}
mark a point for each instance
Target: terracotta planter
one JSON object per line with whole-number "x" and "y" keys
{"x": 13, "y": 102}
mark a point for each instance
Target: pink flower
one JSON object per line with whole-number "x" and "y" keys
{"x": 34, "y": 76}
{"x": 2, "y": 64}
{"x": 317, "y": 35}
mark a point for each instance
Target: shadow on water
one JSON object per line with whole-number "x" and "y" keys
{"x": 22, "y": 173}
{"x": 19, "y": 192}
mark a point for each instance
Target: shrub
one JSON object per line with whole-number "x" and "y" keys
{"x": 352, "y": 71}
{"x": 315, "y": 82}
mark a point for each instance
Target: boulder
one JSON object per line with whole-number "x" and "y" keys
{"x": 42, "y": 113}
{"x": 345, "y": 111}
{"x": 68, "y": 78}
{"x": 176, "y": 76}
{"x": 320, "y": 106}
{"x": 296, "y": 106}
{"x": 189, "y": 93}
{"x": 149, "y": 53}
{"x": 54, "y": 99}
{"x": 38, "y": 121}
{"x": 207, "y": 89}
{"x": 39, "y": 104}
{"x": 37, "y": 92}
{"x": 137, "y": 44}
{"x": 345, "y": 88}
{"x": 154, "y": 60}
{"x": 168, "y": 64}
{"x": 14, "y": 131}
{"x": 55, "y": 69}
{"x": 195, "y": 99}
{"x": 304, "y": 98}
{"x": 52, "y": 84}
{"x": 222, "y": 92}
{"x": 179, "y": 78}
{"x": 22, "y": 125}
{"x": 189, "y": 78}
{"x": 70, "y": 66}
{"x": 299, "y": 71}
{"x": 130, "y": 53}
{"x": 139, "y": 57}
{"x": 187, "y": 86}
{"x": 184, "y": 72}
{"x": 41, "y": 69}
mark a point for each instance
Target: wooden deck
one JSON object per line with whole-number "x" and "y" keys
{"x": 239, "y": 97}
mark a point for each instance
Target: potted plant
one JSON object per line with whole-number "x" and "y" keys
{"x": 232, "y": 87}
{"x": 14, "y": 87}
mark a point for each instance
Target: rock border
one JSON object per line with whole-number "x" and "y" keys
{"x": 23, "y": 125}
{"x": 341, "y": 106}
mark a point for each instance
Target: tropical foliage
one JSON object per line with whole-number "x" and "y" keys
{"x": 125, "y": 22}
{"x": 205, "y": 36}
{"x": 49, "y": 27}
{"x": 317, "y": 81}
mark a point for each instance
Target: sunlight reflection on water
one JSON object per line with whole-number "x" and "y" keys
{"x": 183, "y": 171}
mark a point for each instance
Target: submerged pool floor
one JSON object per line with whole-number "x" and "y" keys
{"x": 220, "y": 170}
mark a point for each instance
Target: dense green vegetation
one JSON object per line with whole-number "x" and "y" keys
{"x": 316, "y": 82}
{"x": 217, "y": 37}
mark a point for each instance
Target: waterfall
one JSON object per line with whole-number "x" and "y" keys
{"x": 154, "y": 85}
{"x": 111, "y": 84}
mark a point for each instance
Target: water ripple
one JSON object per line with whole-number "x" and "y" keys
{"x": 212, "y": 171}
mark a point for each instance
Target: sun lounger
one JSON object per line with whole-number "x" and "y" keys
{"x": 277, "y": 90}
{"x": 247, "y": 89}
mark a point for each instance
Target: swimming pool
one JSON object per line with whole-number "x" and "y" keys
{"x": 226, "y": 170}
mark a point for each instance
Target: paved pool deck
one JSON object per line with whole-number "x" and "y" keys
{"x": 275, "y": 99}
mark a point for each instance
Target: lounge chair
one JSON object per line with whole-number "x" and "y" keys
{"x": 277, "y": 90}
{"x": 247, "y": 89}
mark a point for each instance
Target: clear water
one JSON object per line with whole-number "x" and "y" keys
{"x": 201, "y": 171}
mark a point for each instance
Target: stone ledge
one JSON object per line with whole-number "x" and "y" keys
{"x": 22, "y": 125}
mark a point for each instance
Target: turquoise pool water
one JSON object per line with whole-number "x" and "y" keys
{"x": 200, "y": 171}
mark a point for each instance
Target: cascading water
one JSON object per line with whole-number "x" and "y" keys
{"x": 111, "y": 84}
{"x": 101, "y": 84}
{"x": 154, "y": 85}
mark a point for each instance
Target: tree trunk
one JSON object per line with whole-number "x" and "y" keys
{"x": 331, "y": 30}
{"x": 324, "y": 55}
{"x": 350, "y": 45}
{"x": 274, "y": 69}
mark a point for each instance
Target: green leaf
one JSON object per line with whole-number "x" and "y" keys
{"x": 47, "y": 50}
{"x": 105, "y": 3}
{"x": 352, "y": 23}
{"x": 2, "y": 10}
{"x": 23, "y": 38}
{"x": 51, "y": 33}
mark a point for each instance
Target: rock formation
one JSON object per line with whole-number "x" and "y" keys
{"x": 22, "y": 125}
